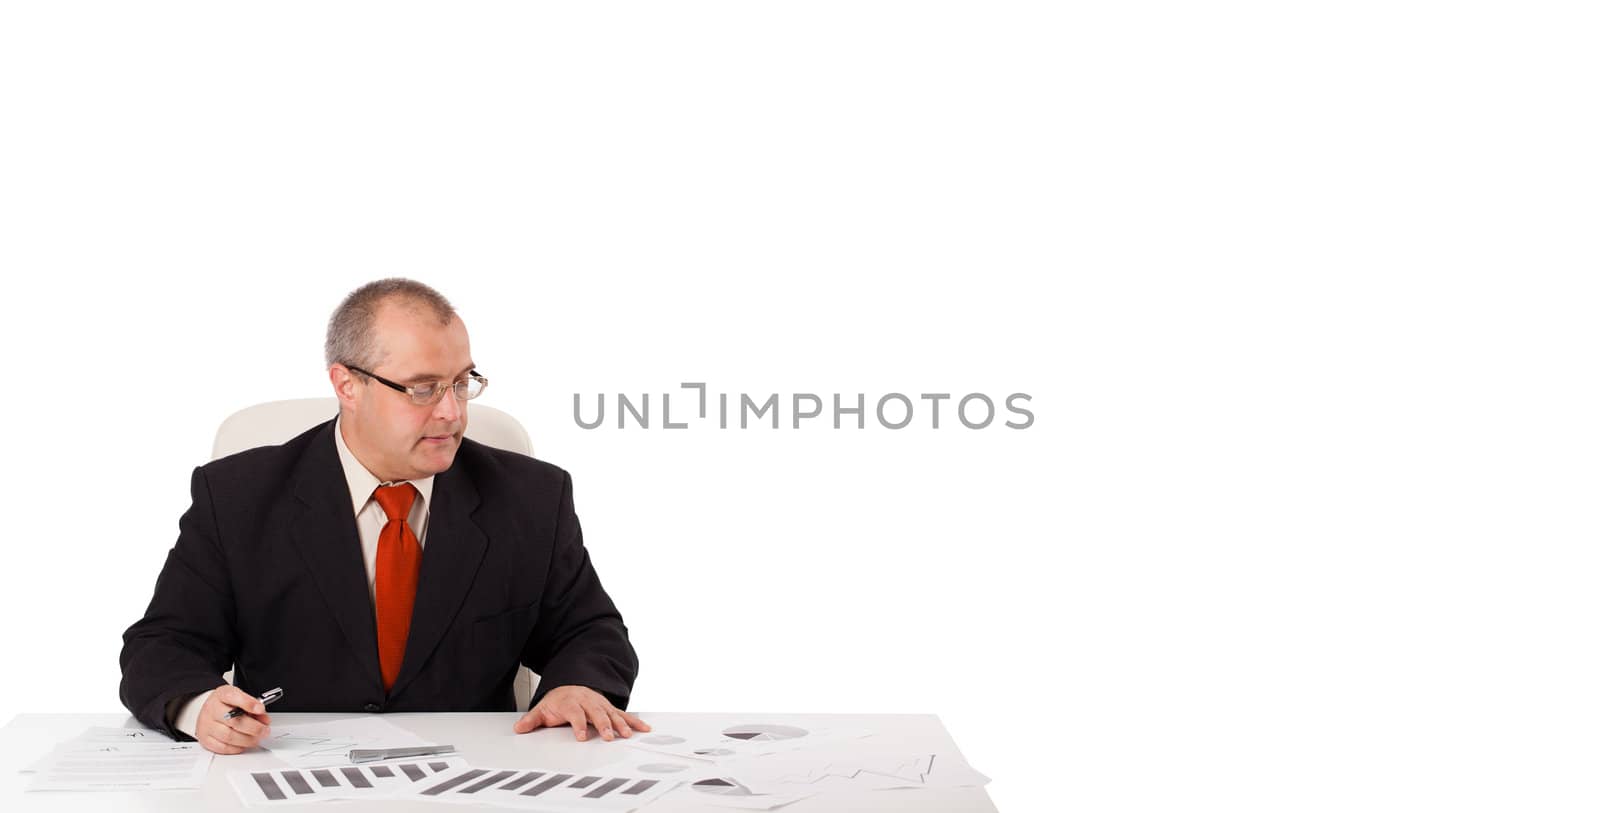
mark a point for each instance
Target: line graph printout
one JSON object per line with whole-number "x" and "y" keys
{"x": 854, "y": 771}
{"x": 330, "y": 743}
{"x": 287, "y": 786}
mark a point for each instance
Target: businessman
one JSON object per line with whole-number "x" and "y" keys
{"x": 380, "y": 561}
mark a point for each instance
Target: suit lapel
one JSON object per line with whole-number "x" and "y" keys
{"x": 324, "y": 531}
{"x": 451, "y": 554}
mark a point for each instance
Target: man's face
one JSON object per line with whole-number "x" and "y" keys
{"x": 392, "y": 436}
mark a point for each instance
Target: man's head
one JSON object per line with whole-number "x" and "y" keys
{"x": 403, "y": 331}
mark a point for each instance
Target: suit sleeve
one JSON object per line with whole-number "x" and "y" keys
{"x": 185, "y": 641}
{"x": 579, "y": 638}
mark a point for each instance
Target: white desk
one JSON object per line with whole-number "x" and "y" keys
{"x": 484, "y": 739}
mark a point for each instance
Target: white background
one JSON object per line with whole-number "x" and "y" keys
{"x": 1303, "y": 295}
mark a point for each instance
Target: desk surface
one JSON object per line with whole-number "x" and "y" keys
{"x": 484, "y": 739}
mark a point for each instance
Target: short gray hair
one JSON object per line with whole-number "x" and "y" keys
{"x": 350, "y": 340}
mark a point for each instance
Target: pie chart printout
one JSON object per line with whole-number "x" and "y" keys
{"x": 722, "y": 787}
{"x": 764, "y": 732}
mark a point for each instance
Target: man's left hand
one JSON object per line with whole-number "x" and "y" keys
{"x": 579, "y": 706}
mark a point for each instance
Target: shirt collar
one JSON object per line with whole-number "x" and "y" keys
{"x": 362, "y": 482}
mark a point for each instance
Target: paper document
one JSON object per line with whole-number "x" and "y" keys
{"x": 100, "y": 734}
{"x": 300, "y": 785}
{"x": 122, "y": 759}
{"x": 706, "y": 782}
{"x": 844, "y": 771}
{"x": 722, "y": 743}
{"x": 453, "y": 781}
{"x": 599, "y": 790}
{"x": 323, "y": 744}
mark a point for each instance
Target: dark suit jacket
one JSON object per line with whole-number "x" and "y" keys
{"x": 267, "y": 577}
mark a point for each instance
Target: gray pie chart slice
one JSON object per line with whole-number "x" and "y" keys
{"x": 722, "y": 787}
{"x": 764, "y": 732}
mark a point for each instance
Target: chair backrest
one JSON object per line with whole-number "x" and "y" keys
{"x": 275, "y": 422}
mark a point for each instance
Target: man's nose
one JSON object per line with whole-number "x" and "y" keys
{"x": 449, "y": 407}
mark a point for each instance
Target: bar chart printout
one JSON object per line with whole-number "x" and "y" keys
{"x": 543, "y": 789}
{"x": 299, "y": 785}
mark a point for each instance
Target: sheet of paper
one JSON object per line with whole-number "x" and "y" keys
{"x": 776, "y": 779}
{"x": 707, "y": 782}
{"x": 132, "y": 763}
{"x": 601, "y": 790}
{"x": 637, "y": 761}
{"x": 727, "y": 791}
{"x": 378, "y": 780}
{"x": 109, "y": 734}
{"x": 845, "y": 771}
{"x": 325, "y": 744}
{"x": 722, "y": 743}
{"x": 100, "y": 734}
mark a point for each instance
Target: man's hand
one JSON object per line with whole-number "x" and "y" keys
{"x": 579, "y": 706}
{"x": 223, "y": 736}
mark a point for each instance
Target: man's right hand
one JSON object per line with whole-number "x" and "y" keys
{"x": 217, "y": 733}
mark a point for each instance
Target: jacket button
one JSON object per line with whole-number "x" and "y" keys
{"x": 371, "y": 707}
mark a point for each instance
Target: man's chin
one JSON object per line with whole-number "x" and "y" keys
{"x": 436, "y": 456}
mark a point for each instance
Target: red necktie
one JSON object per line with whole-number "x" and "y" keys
{"x": 399, "y": 562}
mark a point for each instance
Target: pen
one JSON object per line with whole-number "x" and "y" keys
{"x": 266, "y": 700}
{"x": 360, "y": 755}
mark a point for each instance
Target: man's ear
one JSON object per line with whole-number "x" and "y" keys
{"x": 344, "y": 385}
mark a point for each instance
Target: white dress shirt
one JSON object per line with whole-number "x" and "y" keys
{"x": 370, "y": 520}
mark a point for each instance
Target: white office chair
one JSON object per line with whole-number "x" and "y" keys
{"x": 275, "y": 422}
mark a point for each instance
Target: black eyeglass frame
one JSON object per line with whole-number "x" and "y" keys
{"x": 438, "y": 391}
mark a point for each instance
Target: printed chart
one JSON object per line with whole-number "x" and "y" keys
{"x": 301, "y": 785}
{"x": 722, "y": 743}
{"x": 544, "y": 790}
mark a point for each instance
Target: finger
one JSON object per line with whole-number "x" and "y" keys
{"x": 250, "y": 703}
{"x": 226, "y": 734}
{"x": 620, "y": 721}
{"x": 222, "y": 710}
{"x": 218, "y": 746}
{"x": 239, "y": 698}
{"x": 249, "y": 737}
{"x": 600, "y": 715}
{"x": 528, "y": 722}
{"x": 554, "y": 717}
{"x": 247, "y": 725}
{"x": 579, "y": 723}
{"x": 634, "y": 721}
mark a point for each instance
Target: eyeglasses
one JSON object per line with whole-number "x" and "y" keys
{"x": 424, "y": 394}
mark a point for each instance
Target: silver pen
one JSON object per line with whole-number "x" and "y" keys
{"x": 360, "y": 755}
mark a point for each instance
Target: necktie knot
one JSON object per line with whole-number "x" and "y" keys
{"x": 396, "y": 500}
